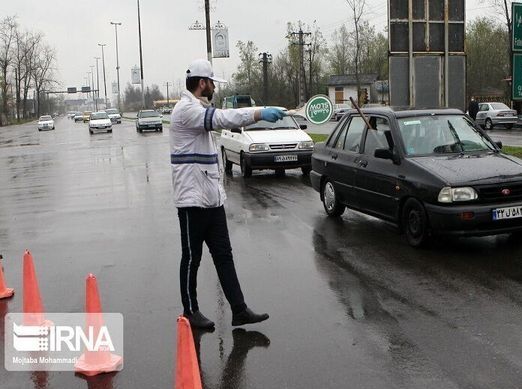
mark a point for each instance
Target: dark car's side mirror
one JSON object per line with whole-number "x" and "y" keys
{"x": 236, "y": 130}
{"x": 499, "y": 144}
{"x": 303, "y": 126}
{"x": 383, "y": 153}
{"x": 386, "y": 154}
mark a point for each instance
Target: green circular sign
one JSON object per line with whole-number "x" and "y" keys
{"x": 319, "y": 109}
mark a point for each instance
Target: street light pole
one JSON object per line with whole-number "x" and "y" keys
{"x": 141, "y": 59}
{"x": 116, "y": 24}
{"x": 103, "y": 65}
{"x": 93, "y": 94}
{"x": 88, "y": 79}
{"x": 207, "y": 28}
{"x": 97, "y": 78}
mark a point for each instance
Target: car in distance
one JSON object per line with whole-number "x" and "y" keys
{"x": 45, "y": 122}
{"x": 78, "y": 117}
{"x": 99, "y": 121}
{"x": 264, "y": 145}
{"x": 86, "y": 116}
{"x": 494, "y": 114}
{"x": 427, "y": 171}
{"x": 114, "y": 115}
{"x": 339, "y": 110}
{"x": 148, "y": 119}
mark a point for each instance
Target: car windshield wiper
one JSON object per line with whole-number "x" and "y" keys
{"x": 456, "y": 136}
{"x": 284, "y": 128}
{"x": 256, "y": 128}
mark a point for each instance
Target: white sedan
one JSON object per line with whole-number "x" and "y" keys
{"x": 45, "y": 122}
{"x": 99, "y": 121}
{"x": 493, "y": 114}
{"x": 263, "y": 145}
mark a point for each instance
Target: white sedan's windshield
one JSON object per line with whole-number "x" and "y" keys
{"x": 99, "y": 115}
{"x": 44, "y": 118}
{"x": 149, "y": 114}
{"x": 284, "y": 124}
{"x": 439, "y": 134}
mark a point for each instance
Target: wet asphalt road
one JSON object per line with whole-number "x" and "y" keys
{"x": 351, "y": 304}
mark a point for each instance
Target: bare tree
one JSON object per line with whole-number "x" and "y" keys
{"x": 23, "y": 50}
{"x": 357, "y": 10}
{"x": 33, "y": 44}
{"x": 8, "y": 27}
{"x": 42, "y": 71}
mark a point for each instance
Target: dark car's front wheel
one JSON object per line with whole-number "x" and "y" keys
{"x": 415, "y": 223}
{"x": 331, "y": 204}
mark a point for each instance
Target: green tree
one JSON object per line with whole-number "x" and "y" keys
{"x": 247, "y": 79}
{"x": 340, "y": 53}
{"x": 487, "y": 57}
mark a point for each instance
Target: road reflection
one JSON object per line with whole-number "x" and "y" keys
{"x": 234, "y": 374}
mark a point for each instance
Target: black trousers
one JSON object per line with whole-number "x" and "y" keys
{"x": 207, "y": 225}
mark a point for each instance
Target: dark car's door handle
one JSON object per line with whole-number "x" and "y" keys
{"x": 334, "y": 156}
{"x": 363, "y": 163}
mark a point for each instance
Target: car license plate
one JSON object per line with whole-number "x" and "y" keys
{"x": 507, "y": 213}
{"x": 285, "y": 158}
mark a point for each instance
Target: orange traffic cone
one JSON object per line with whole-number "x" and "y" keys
{"x": 33, "y": 308}
{"x": 5, "y": 292}
{"x": 101, "y": 361}
{"x": 187, "y": 368}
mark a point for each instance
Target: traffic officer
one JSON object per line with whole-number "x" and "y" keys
{"x": 199, "y": 194}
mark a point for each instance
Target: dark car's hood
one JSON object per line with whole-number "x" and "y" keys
{"x": 470, "y": 168}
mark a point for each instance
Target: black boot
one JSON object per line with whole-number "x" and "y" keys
{"x": 247, "y": 317}
{"x": 198, "y": 320}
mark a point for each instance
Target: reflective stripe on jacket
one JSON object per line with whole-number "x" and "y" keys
{"x": 193, "y": 152}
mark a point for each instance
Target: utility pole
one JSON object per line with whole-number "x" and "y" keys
{"x": 301, "y": 44}
{"x": 116, "y": 24}
{"x": 103, "y": 65}
{"x": 167, "y": 84}
{"x": 309, "y": 51}
{"x": 265, "y": 60}
{"x": 141, "y": 59}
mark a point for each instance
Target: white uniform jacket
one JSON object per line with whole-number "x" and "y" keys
{"x": 193, "y": 152}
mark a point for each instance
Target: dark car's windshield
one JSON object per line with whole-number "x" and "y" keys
{"x": 441, "y": 134}
{"x": 285, "y": 123}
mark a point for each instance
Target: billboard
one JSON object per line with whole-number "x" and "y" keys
{"x": 135, "y": 75}
{"x": 427, "y": 62}
{"x": 220, "y": 38}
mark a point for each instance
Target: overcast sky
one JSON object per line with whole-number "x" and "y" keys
{"x": 74, "y": 29}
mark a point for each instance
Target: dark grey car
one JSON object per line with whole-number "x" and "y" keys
{"x": 426, "y": 171}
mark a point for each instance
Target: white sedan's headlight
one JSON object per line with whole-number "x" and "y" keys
{"x": 449, "y": 195}
{"x": 259, "y": 147}
{"x": 307, "y": 145}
